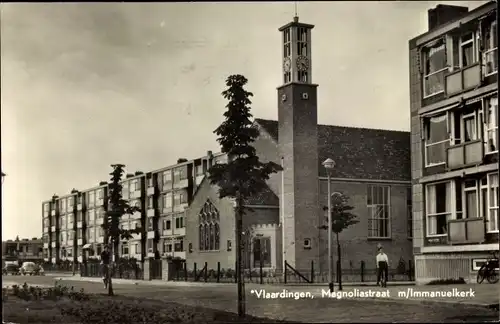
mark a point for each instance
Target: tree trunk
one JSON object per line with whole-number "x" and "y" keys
{"x": 110, "y": 284}
{"x": 339, "y": 270}
{"x": 239, "y": 258}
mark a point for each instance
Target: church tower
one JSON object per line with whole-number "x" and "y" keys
{"x": 298, "y": 146}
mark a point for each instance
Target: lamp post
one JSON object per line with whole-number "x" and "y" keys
{"x": 329, "y": 164}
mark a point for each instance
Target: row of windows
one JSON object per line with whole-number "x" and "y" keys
{"x": 458, "y": 51}
{"x": 477, "y": 121}
{"x": 461, "y": 199}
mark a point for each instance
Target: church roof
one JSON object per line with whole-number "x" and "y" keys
{"x": 359, "y": 153}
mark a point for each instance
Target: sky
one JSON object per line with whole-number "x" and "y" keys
{"x": 85, "y": 85}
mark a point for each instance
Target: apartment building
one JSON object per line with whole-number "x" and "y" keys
{"x": 454, "y": 127}
{"x": 22, "y": 250}
{"x": 72, "y": 223}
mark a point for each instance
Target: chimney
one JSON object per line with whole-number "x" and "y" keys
{"x": 443, "y": 14}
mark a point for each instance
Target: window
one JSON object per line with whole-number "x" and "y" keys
{"x": 46, "y": 222}
{"x": 493, "y": 220}
{"x": 80, "y": 199}
{"x": 491, "y": 50}
{"x": 137, "y": 203}
{"x": 70, "y": 220}
{"x": 150, "y": 182}
{"x": 100, "y": 212}
{"x": 100, "y": 231}
{"x": 179, "y": 221}
{"x": 199, "y": 170}
{"x": 167, "y": 224}
{"x": 90, "y": 216}
{"x": 136, "y": 249}
{"x": 91, "y": 198}
{"x": 150, "y": 224}
{"x": 70, "y": 202}
{"x": 287, "y": 52}
{"x": 167, "y": 179}
{"x": 470, "y": 200}
{"x": 62, "y": 205}
{"x": 469, "y": 127}
{"x": 63, "y": 222}
{"x": 437, "y": 140}
{"x": 46, "y": 207}
{"x": 261, "y": 252}
{"x": 209, "y": 228}
{"x": 468, "y": 51}
{"x": 167, "y": 247}
{"x": 438, "y": 208}
{"x": 150, "y": 203}
{"x": 79, "y": 233}
{"x": 91, "y": 234}
{"x": 150, "y": 246}
{"x": 124, "y": 248}
{"x": 434, "y": 59}
{"x": 491, "y": 125}
{"x": 100, "y": 193}
{"x": 478, "y": 263}
{"x": 378, "y": 202}
{"x": 125, "y": 190}
{"x": 180, "y": 197}
{"x": 63, "y": 237}
{"x": 125, "y": 226}
{"x": 409, "y": 210}
{"x": 179, "y": 246}
{"x": 167, "y": 202}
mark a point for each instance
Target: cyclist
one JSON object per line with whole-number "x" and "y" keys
{"x": 105, "y": 258}
{"x": 382, "y": 266}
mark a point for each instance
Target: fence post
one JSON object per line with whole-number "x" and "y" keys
{"x": 312, "y": 271}
{"x": 185, "y": 272}
{"x": 338, "y": 272}
{"x": 236, "y": 272}
{"x": 206, "y": 272}
{"x": 218, "y": 272}
{"x": 410, "y": 270}
{"x": 194, "y": 272}
{"x": 362, "y": 271}
{"x": 261, "y": 273}
{"x": 284, "y": 271}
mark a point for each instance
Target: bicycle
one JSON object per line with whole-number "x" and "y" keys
{"x": 489, "y": 270}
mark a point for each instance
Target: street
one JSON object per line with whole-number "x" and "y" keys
{"x": 315, "y": 309}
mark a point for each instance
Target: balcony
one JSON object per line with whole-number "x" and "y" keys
{"x": 168, "y": 232}
{"x": 136, "y": 215}
{"x": 79, "y": 242}
{"x": 151, "y": 191}
{"x": 180, "y": 231}
{"x": 45, "y": 230}
{"x": 136, "y": 236}
{"x": 151, "y": 254}
{"x": 135, "y": 194}
{"x": 79, "y": 207}
{"x": 53, "y": 244}
{"x": 151, "y": 212}
{"x": 151, "y": 234}
{"x": 179, "y": 254}
{"x": 70, "y": 242}
{"x": 184, "y": 183}
{"x": 100, "y": 239}
{"x": 462, "y": 80}
{"x": 99, "y": 202}
{"x": 45, "y": 245}
{"x": 166, "y": 210}
{"x": 52, "y": 228}
{"x": 53, "y": 213}
{"x": 466, "y": 154}
{"x": 79, "y": 224}
{"x": 466, "y": 231}
{"x": 180, "y": 207}
{"x": 80, "y": 259}
{"x": 99, "y": 221}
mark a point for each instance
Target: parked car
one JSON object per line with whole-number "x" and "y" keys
{"x": 11, "y": 268}
{"x": 28, "y": 268}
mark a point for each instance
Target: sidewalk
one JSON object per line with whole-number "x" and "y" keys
{"x": 485, "y": 295}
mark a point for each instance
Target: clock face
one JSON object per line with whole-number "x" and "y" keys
{"x": 302, "y": 63}
{"x": 287, "y": 64}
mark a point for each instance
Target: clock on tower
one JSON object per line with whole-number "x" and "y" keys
{"x": 296, "y": 52}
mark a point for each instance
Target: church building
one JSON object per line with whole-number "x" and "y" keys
{"x": 372, "y": 167}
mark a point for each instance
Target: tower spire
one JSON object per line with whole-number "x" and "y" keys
{"x": 296, "y": 17}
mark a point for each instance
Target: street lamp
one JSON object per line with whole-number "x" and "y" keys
{"x": 329, "y": 164}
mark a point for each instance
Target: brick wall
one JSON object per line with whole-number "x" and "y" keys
{"x": 298, "y": 144}
{"x": 416, "y": 150}
{"x": 355, "y": 244}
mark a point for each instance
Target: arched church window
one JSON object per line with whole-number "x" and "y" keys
{"x": 209, "y": 228}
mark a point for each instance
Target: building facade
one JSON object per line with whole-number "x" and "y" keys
{"x": 183, "y": 216}
{"x": 22, "y": 250}
{"x": 454, "y": 131}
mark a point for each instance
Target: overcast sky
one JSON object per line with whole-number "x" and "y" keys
{"x": 87, "y": 85}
